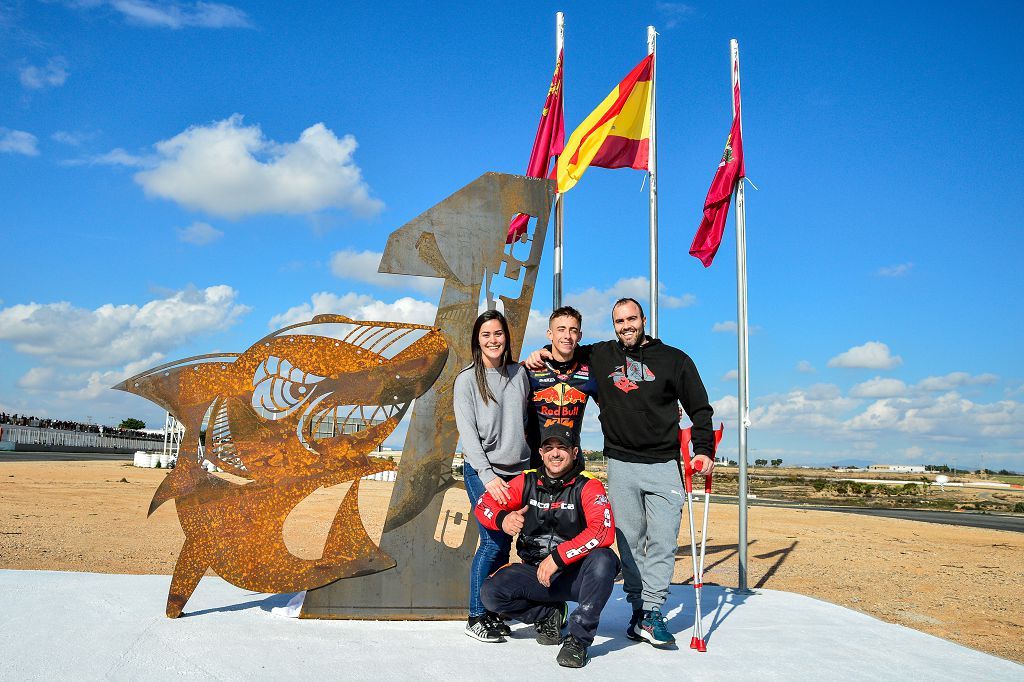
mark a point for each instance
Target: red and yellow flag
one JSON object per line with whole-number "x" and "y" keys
{"x": 616, "y": 134}
{"x": 549, "y": 141}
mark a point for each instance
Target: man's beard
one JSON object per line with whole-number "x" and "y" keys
{"x": 638, "y": 339}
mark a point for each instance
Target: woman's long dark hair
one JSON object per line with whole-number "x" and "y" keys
{"x": 479, "y": 369}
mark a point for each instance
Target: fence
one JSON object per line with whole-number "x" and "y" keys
{"x": 32, "y": 435}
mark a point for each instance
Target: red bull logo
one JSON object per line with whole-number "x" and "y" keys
{"x": 560, "y": 404}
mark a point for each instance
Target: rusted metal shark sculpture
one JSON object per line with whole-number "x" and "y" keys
{"x": 262, "y": 415}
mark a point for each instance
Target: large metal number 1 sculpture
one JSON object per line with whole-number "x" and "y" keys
{"x": 462, "y": 240}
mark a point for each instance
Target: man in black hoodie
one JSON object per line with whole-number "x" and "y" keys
{"x": 642, "y": 382}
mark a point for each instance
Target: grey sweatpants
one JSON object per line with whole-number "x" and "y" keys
{"x": 647, "y": 501}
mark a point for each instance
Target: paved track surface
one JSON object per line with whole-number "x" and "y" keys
{"x": 62, "y": 457}
{"x": 974, "y": 520}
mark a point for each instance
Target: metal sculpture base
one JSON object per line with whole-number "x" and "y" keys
{"x": 416, "y": 589}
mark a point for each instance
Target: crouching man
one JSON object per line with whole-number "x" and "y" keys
{"x": 565, "y": 527}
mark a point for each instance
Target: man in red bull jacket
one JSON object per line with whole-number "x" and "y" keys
{"x": 560, "y": 387}
{"x": 565, "y": 526}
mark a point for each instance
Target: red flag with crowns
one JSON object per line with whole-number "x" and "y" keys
{"x": 716, "y": 205}
{"x": 549, "y": 141}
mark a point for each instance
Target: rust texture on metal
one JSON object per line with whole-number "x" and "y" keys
{"x": 462, "y": 241}
{"x": 299, "y": 410}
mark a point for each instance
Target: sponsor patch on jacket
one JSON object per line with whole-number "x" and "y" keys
{"x": 552, "y": 505}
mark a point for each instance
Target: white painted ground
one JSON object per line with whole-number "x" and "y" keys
{"x": 57, "y": 626}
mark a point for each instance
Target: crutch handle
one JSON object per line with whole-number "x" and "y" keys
{"x": 684, "y": 450}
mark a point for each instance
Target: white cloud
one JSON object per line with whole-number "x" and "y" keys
{"x": 895, "y": 270}
{"x": 914, "y": 452}
{"x": 60, "y": 333}
{"x": 18, "y": 142}
{"x": 536, "y": 331}
{"x": 358, "y": 307}
{"x": 231, "y": 170}
{"x": 954, "y": 416}
{"x": 731, "y": 375}
{"x": 726, "y": 409}
{"x": 674, "y": 12}
{"x": 596, "y": 304}
{"x": 361, "y": 266}
{"x": 955, "y": 380}
{"x": 52, "y": 75}
{"x": 72, "y": 139}
{"x": 872, "y": 355}
{"x": 199, "y": 233}
{"x": 805, "y": 367}
{"x": 879, "y": 387}
{"x": 815, "y": 408}
{"x": 174, "y": 15}
{"x": 946, "y": 417}
{"x": 83, "y": 385}
{"x": 730, "y": 327}
{"x": 115, "y": 157}
{"x": 881, "y": 414}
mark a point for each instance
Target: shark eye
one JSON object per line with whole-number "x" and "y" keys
{"x": 279, "y": 387}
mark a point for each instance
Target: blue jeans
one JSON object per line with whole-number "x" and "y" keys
{"x": 494, "y": 545}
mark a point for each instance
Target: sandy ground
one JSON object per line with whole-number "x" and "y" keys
{"x": 963, "y": 584}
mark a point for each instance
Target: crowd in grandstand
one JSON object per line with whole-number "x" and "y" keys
{"x": 68, "y": 425}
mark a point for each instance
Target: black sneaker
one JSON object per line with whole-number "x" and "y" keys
{"x": 637, "y": 616}
{"x": 496, "y": 623}
{"x": 480, "y": 628}
{"x": 573, "y": 653}
{"x": 549, "y": 628}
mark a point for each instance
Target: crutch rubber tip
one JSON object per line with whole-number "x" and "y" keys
{"x": 701, "y": 646}
{"x": 694, "y": 642}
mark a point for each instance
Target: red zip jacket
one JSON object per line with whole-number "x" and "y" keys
{"x": 565, "y": 518}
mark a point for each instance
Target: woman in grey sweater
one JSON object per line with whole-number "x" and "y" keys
{"x": 490, "y": 411}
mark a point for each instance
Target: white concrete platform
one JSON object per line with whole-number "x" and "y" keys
{"x": 87, "y": 626}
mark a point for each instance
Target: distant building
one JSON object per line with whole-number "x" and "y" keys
{"x": 898, "y": 468}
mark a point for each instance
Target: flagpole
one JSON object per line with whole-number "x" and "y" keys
{"x": 652, "y": 168}
{"x": 556, "y": 288}
{"x": 743, "y": 367}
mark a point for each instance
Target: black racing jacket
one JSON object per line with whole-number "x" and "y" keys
{"x": 564, "y": 518}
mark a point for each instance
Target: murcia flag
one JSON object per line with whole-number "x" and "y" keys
{"x": 616, "y": 134}
{"x": 716, "y": 205}
{"x": 549, "y": 141}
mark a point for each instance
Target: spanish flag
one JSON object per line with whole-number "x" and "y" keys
{"x": 616, "y": 134}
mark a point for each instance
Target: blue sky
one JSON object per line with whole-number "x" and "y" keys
{"x": 179, "y": 177}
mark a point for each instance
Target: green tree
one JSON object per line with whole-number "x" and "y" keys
{"x": 133, "y": 423}
{"x": 776, "y": 462}
{"x": 760, "y": 462}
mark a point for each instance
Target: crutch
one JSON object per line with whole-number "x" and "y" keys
{"x": 697, "y": 639}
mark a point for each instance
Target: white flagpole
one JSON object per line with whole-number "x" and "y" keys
{"x": 556, "y": 288}
{"x": 652, "y": 168}
{"x": 743, "y": 367}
